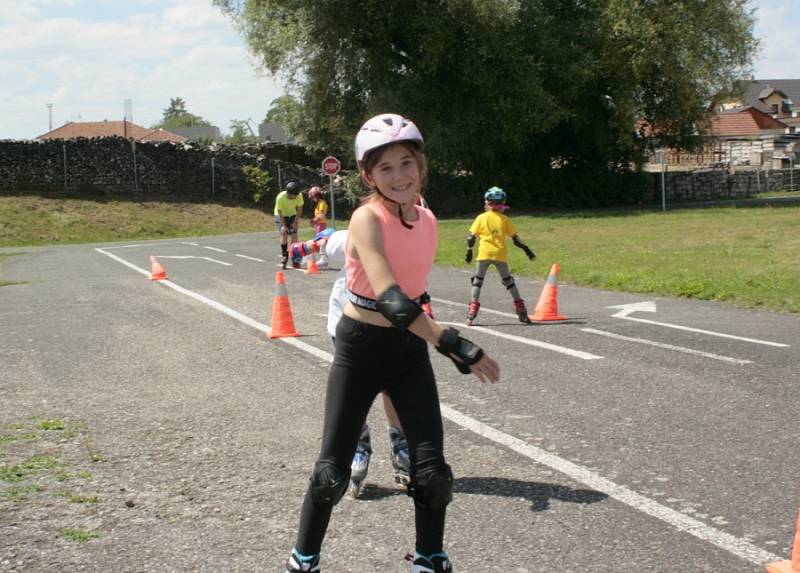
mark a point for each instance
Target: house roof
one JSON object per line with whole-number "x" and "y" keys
{"x": 763, "y": 88}
{"x": 745, "y": 120}
{"x": 88, "y": 129}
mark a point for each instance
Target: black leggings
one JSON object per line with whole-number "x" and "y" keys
{"x": 369, "y": 359}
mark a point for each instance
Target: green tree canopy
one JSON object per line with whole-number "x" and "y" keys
{"x": 176, "y": 115}
{"x": 288, "y": 111}
{"x": 544, "y": 95}
{"x": 241, "y": 132}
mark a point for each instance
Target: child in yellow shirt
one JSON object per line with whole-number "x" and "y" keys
{"x": 320, "y": 219}
{"x": 492, "y": 227}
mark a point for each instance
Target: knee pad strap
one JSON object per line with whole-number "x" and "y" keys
{"x": 476, "y": 281}
{"x": 329, "y": 483}
{"x": 508, "y": 282}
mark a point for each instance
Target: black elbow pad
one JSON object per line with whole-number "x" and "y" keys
{"x": 470, "y": 241}
{"x": 398, "y": 309}
{"x": 518, "y": 242}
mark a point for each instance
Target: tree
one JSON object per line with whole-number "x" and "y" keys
{"x": 288, "y": 111}
{"x": 538, "y": 95}
{"x": 177, "y": 116}
{"x": 177, "y": 108}
{"x": 241, "y": 132}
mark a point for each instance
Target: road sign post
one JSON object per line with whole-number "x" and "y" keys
{"x": 331, "y": 166}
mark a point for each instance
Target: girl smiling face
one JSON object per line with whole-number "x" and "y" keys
{"x": 395, "y": 173}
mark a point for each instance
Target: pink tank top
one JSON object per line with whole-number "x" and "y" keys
{"x": 410, "y": 253}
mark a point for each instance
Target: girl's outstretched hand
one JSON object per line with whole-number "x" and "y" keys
{"x": 486, "y": 368}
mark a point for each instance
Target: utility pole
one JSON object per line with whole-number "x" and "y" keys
{"x": 50, "y": 116}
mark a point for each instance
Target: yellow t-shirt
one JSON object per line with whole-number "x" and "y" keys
{"x": 285, "y": 206}
{"x": 321, "y": 210}
{"x": 492, "y": 228}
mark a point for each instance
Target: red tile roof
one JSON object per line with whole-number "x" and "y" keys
{"x": 743, "y": 121}
{"x": 127, "y": 129}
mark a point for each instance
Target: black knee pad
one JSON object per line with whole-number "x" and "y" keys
{"x": 508, "y": 282}
{"x": 432, "y": 488}
{"x": 476, "y": 281}
{"x": 329, "y": 483}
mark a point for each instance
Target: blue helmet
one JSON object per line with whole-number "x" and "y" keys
{"x": 495, "y": 195}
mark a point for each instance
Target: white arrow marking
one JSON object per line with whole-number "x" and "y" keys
{"x": 626, "y": 309}
{"x": 650, "y": 306}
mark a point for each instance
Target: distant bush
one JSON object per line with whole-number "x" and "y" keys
{"x": 258, "y": 179}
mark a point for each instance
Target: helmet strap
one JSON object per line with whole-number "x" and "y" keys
{"x": 400, "y": 209}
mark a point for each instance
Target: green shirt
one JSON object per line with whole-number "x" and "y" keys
{"x": 285, "y": 206}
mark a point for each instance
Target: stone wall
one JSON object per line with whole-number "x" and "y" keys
{"x": 715, "y": 184}
{"x": 116, "y": 166}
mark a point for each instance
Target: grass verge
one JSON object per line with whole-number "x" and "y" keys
{"x": 747, "y": 256}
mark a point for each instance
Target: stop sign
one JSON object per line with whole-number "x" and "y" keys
{"x": 331, "y": 165}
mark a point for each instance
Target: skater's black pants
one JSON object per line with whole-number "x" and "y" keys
{"x": 369, "y": 359}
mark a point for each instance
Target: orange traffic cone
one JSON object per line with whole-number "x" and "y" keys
{"x": 282, "y": 321}
{"x": 312, "y": 268}
{"x": 792, "y": 566}
{"x": 157, "y": 272}
{"x": 547, "y": 307}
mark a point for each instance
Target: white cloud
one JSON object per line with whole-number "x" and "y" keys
{"x": 778, "y": 28}
{"x": 87, "y": 67}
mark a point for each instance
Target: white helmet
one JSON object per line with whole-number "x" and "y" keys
{"x": 384, "y": 129}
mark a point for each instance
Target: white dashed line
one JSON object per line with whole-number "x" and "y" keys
{"x": 531, "y": 342}
{"x": 667, "y": 346}
{"x": 251, "y": 258}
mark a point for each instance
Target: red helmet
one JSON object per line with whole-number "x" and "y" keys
{"x": 314, "y": 193}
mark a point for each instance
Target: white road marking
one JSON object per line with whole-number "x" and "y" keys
{"x": 531, "y": 342}
{"x": 215, "y": 249}
{"x": 650, "y": 306}
{"x": 251, "y": 258}
{"x": 734, "y": 545}
{"x": 125, "y": 246}
{"x": 193, "y": 257}
{"x": 190, "y": 243}
{"x": 484, "y": 310}
{"x": 667, "y": 346}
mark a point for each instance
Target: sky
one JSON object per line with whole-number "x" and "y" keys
{"x": 86, "y": 57}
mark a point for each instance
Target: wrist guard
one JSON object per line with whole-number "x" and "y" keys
{"x": 525, "y": 249}
{"x": 398, "y": 309}
{"x": 425, "y": 303}
{"x": 451, "y": 344}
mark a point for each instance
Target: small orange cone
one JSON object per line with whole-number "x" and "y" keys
{"x": 792, "y": 566}
{"x": 547, "y": 307}
{"x": 282, "y": 321}
{"x": 312, "y": 268}
{"x": 157, "y": 272}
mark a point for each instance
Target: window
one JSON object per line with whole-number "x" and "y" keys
{"x": 775, "y": 108}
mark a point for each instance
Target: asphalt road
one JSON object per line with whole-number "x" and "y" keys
{"x": 646, "y": 434}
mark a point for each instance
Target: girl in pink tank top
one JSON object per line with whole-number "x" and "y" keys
{"x": 382, "y": 345}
